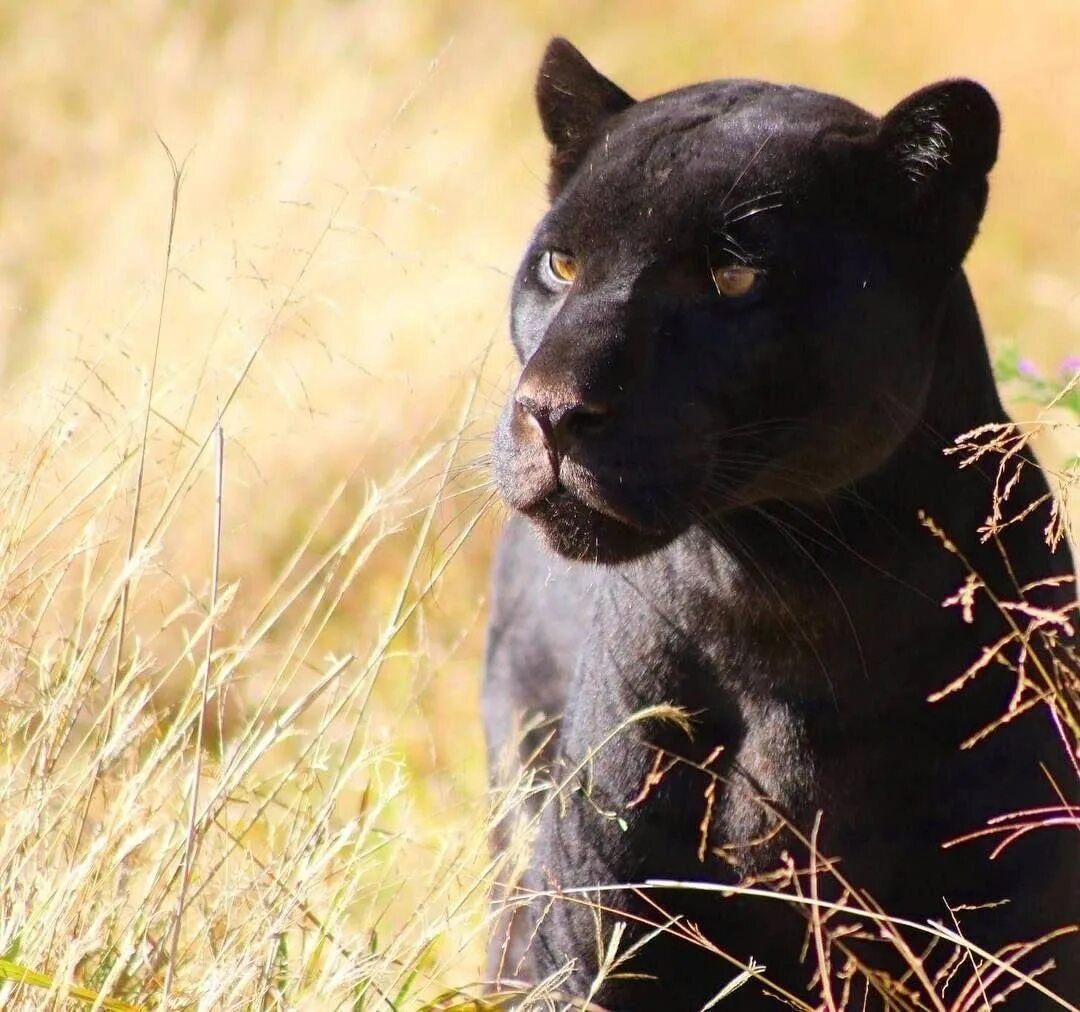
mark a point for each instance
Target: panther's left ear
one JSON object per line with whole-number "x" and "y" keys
{"x": 939, "y": 145}
{"x": 575, "y": 100}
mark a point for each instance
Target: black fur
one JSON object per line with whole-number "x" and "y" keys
{"x": 719, "y": 508}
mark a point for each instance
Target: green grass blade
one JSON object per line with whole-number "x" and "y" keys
{"x": 17, "y": 974}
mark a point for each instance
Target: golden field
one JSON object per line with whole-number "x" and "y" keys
{"x": 357, "y": 180}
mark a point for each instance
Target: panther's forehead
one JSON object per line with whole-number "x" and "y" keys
{"x": 743, "y": 108}
{"x": 717, "y": 142}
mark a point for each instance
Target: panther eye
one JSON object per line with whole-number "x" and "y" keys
{"x": 560, "y": 269}
{"x": 735, "y": 280}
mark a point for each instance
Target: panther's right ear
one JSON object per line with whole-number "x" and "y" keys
{"x": 574, "y": 100}
{"x": 938, "y": 147}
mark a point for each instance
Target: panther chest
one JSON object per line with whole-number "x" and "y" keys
{"x": 722, "y": 804}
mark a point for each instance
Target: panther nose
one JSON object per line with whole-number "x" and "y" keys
{"x": 565, "y": 425}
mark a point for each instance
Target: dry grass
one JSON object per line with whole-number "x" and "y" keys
{"x": 357, "y": 182}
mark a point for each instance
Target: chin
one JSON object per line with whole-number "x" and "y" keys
{"x": 583, "y": 534}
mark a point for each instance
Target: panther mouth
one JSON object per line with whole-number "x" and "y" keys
{"x": 577, "y": 483}
{"x": 579, "y": 520}
{"x": 577, "y": 531}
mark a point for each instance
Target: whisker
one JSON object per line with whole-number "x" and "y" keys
{"x": 751, "y": 213}
{"x": 768, "y": 195}
{"x": 746, "y": 168}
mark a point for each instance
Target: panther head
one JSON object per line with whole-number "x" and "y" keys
{"x": 732, "y": 298}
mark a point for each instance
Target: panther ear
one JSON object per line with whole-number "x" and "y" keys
{"x": 939, "y": 144}
{"x": 574, "y": 100}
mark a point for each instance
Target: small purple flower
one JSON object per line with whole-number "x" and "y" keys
{"x": 1070, "y": 365}
{"x": 1028, "y": 368}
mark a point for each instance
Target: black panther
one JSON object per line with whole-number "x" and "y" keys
{"x": 746, "y": 339}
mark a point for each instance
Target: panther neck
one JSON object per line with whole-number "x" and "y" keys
{"x": 962, "y": 393}
{"x": 923, "y": 478}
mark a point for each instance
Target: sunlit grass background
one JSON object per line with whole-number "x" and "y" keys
{"x": 358, "y": 179}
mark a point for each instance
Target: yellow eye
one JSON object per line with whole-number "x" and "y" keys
{"x": 735, "y": 280}
{"x": 561, "y": 267}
